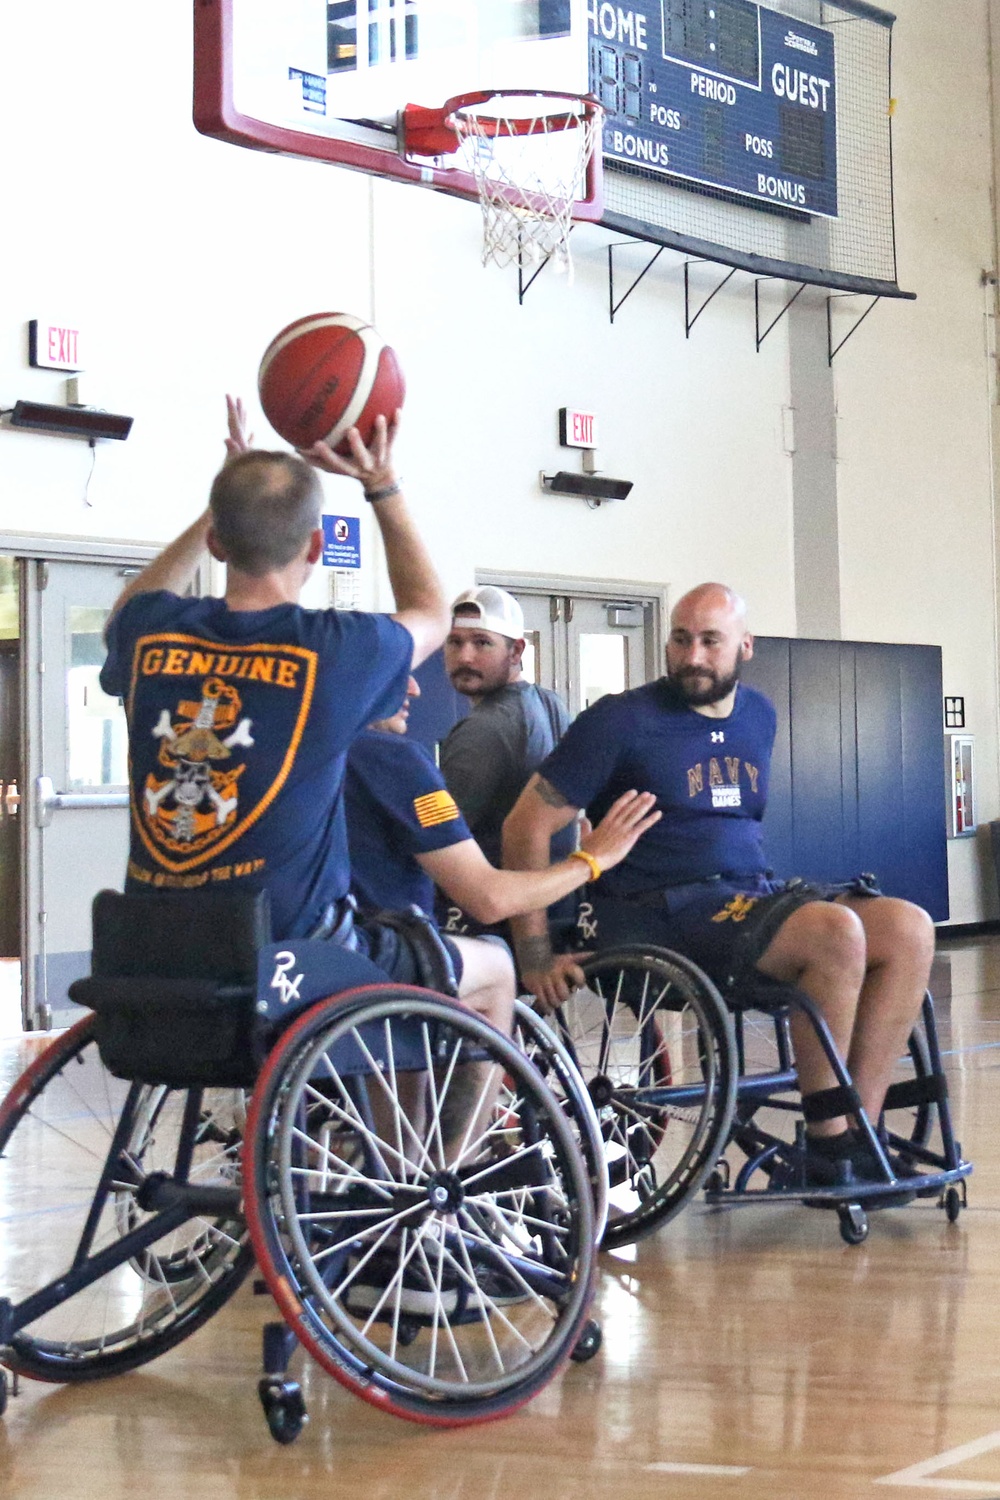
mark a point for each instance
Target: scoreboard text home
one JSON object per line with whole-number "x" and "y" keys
{"x": 721, "y": 93}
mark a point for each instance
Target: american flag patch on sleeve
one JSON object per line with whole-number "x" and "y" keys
{"x": 435, "y": 807}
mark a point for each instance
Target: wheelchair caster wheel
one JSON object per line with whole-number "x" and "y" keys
{"x": 853, "y": 1223}
{"x": 952, "y": 1204}
{"x": 717, "y": 1180}
{"x": 284, "y": 1408}
{"x": 588, "y": 1343}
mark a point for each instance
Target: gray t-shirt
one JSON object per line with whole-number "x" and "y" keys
{"x": 488, "y": 756}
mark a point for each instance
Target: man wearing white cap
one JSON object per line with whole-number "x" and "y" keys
{"x": 488, "y": 756}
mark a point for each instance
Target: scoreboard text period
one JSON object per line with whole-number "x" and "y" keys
{"x": 724, "y": 93}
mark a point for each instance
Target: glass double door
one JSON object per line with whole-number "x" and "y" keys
{"x": 584, "y": 646}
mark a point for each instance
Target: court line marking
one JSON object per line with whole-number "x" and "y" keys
{"x": 917, "y": 1475}
{"x": 732, "y": 1471}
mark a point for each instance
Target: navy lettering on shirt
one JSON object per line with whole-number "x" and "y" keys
{"x": 709, "y": 776}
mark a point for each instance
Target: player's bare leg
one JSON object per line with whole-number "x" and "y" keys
{"x": 820, "y": 949}
{"x": 488, "y": 988}
{"x": 899, "y": 941}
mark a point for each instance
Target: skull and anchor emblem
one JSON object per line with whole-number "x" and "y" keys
{"x": 199, "y": 794}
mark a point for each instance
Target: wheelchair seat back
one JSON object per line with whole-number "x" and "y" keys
{"x": 173, "y": 985}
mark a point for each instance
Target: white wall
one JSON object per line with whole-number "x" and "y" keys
{"x": 915, "y": 475}
{"x": 181, "y": 257}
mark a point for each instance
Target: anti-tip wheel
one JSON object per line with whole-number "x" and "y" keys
{"x": 284, "y": 1408}
{"x": 588, "y": 1343}
{"x": 853, "y": 1223}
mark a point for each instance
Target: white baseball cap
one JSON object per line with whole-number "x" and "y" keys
{"x": 489, "y": 608}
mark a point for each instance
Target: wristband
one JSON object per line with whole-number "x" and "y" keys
{"x": 595, "y": 870}
{"x": 383, "y": 494}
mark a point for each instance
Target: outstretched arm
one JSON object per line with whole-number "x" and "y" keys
{"x": 421, "y": 604}
{"x": 465, "y": 875}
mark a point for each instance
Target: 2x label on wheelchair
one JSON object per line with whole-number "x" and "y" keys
{"x": 415, "y": 1194}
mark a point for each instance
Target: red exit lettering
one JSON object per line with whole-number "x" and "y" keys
{"x": 54, "y": 346}
{"x": 577, "y": 429}
{"x": 62, "y": 346}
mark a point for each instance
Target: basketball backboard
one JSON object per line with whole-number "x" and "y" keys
{"x": 329, "y": 78}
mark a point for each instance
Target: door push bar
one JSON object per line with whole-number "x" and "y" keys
{"x": 48, "y": 800}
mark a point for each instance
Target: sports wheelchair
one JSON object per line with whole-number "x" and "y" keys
{"x": 696, "y": 1092}
{"x": 422, "y": 1204}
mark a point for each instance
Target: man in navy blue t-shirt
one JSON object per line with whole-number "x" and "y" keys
{"x": 698, "y": 882}
{"x": 241, "y": 709}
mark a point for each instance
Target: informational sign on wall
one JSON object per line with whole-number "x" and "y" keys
{"x": 722, "y": 93}
{"x": 341, "y": 542}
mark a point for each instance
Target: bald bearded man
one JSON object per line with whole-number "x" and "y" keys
{"x": 698, "y": 882}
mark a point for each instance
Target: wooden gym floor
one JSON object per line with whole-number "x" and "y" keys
{"x": 748, "y": 1354}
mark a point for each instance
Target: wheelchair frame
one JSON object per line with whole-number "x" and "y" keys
{"x": 443, "y": 1279}
{"x": 666, "y": 1062}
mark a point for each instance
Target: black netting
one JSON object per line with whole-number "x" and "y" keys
{"x": 852, "y": 247}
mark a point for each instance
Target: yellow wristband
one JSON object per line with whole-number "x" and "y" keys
{"x": 595, "y": 870}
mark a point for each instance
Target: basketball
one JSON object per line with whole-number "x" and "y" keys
{"x": 324, "y": 374}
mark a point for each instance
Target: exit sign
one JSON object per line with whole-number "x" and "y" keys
{"x": 577, "y": 429}
{"x": 54, "y": 346}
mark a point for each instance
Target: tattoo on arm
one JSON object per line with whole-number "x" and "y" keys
{"x": 534, "y": 952}
{"x": 549, "y": 794}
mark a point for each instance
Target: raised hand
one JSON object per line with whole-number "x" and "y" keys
{"x": 239, "y": 440}
{"x": 371, "y": 466}
{"x": 624, "y": 823}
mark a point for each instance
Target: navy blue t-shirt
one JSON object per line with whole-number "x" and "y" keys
{"x": 397, "y": 807}
{"x": 710, "y": 778}
{"x": 239, "y": 725}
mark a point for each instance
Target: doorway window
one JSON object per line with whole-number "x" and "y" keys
{"x": 96, "y": 727}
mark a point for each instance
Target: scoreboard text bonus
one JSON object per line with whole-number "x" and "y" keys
{"x": 719, "y": 92}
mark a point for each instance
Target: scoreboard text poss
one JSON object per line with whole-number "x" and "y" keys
{"x": 720, "y": 92}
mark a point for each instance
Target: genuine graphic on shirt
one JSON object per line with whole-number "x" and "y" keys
{"x": 214, "y": 735}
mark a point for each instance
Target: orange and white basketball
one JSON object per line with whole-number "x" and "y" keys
{"x": 324, "y": 374}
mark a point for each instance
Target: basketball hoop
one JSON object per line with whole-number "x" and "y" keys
{"x": 533, "y": 158}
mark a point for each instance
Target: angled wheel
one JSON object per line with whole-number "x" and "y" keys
{"x": 419, "y": 1206}
{"x": 654, "y": 1042}
{"x": 77, "y": 1147}
{"x": 552, "y": 1058}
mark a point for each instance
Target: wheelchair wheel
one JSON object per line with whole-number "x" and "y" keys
{"x": 654, "y": 1042}
{"x": 418, "y": 1206}
{"x": 553, "y": 1060}
{"x": 76, "y": 1147}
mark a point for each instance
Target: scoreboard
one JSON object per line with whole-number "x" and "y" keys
{"x": 723, "y": 93}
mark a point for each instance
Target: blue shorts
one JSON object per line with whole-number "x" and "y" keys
{"x": 723, "y": 925}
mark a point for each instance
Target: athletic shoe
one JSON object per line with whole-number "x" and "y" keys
{"x": 416, "y": 1296}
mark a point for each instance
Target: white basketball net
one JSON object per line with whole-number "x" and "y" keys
{"x": 529, "y": 157}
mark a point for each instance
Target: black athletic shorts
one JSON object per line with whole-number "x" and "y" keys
{"x": 396, "y": 952}
{"x": 722, "y": 924}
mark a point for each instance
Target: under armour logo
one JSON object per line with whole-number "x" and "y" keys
{"x": 288, "y": 989}
{"x": 718, "y": 737}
